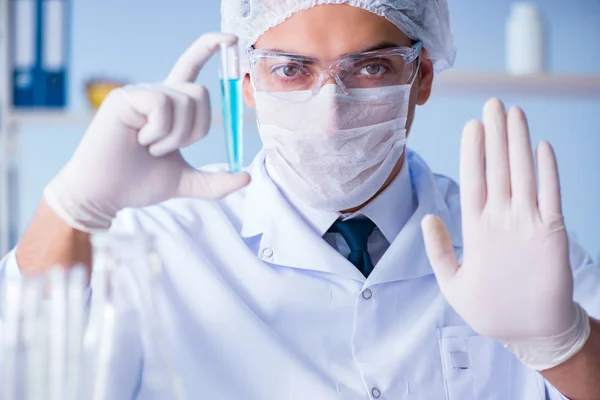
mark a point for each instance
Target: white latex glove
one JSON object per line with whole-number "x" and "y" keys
{"x": 129, "y": 156}
{"x": 515, "y": 284}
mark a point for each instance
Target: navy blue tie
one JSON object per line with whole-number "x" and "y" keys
{"x": 356, "y": 233}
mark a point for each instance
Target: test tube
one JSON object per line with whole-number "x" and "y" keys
{"x": 34, "y": 334}
{"x": 76, "y": 291}
{"x": 58, "y": 334}
{"x": 232, "y": 105}
{"x": 10, "y": 336}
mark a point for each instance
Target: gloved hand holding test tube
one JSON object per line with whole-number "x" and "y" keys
{"x": 232, "y": 105}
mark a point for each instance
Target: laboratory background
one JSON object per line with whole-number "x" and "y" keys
{"x": 99, "y": 44}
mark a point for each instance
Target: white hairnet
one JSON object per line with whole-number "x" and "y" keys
{"x": 424, "y": 20}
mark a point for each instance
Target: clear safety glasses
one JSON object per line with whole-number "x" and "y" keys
{"x": 279, "y": 73}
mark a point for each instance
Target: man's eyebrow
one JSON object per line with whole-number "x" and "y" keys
{"x": 274, "y": 50}
{"x": 379, "y": 46}
{"x": 280, "y": 51}
{"x": 304, "y": 59}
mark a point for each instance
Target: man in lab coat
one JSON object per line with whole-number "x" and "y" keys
{"x": 338, "y": 266}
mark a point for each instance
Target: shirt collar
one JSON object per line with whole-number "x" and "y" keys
{"x": 268, "y": 213}
{"x": 286, "y": 237}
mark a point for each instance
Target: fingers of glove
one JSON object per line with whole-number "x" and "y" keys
{"x": 184, "y": 112}
{"x": 440, "y": 251}
{"x": 117, "y": 103}
{"x": 549, "y": 184}
{"x": 201, "y": 116}
{"x": 158, "y": 109}
{"x": 496, "y": 152}
{"x": 472, "y": 169}
{"x": 522, "y": 171}
{"x": 190, "y": 63}
{"x": 210, "y": 185}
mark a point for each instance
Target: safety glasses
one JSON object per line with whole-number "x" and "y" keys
{"x": 277, "y": 73}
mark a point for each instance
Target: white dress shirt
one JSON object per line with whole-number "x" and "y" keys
{"x": 257, "y": 306}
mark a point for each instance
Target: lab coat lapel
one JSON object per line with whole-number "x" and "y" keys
{"x": 286, "y": 238}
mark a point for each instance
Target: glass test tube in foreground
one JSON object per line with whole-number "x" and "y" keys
{"x": 232, "y": 106}
{"x": 42, "y": 336}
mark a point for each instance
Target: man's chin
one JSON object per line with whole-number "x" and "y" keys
{"x": 393, "y": 175}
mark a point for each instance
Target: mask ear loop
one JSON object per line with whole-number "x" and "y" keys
{"x": 418, "y": 69}
{"x": 417, "y": 72}
{"x": 252, "y": 83}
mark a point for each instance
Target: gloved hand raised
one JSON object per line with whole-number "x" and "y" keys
{"x": 129, "y": 156}
{"x": 515, "y": 283}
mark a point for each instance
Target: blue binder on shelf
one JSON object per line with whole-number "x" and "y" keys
{"x": 54, "y": 52}
{"x": 23, "y": 46}
{"x": 40, "y": 53}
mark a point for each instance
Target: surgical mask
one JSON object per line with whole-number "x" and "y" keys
{"x": 334, "y": 151}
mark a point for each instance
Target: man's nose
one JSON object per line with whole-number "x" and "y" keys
{"x": 332, "y": 79}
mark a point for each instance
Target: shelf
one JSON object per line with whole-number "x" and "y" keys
{"x": 459, "y": 83}
{"x": 49, "y": 117}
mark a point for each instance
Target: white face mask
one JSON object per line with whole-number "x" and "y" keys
{"x": 334, "y": 151}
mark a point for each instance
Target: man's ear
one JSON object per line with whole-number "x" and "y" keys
{"x": 248, "y": 91}
{"x": 425, "y": 81}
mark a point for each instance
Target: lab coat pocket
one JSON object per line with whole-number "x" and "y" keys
{"x": 456, "y": 361}
{"x": 476, "y": 367}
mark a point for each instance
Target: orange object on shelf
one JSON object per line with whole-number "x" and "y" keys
{"x": 98, "y": 89}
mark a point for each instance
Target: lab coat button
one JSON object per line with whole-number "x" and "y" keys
{"x": 366, "y": 294}
{"x": 267, "y": 252}
{"x": 375, "y": 393}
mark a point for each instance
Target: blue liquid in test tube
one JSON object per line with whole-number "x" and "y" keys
{"x": 232, "y": 106}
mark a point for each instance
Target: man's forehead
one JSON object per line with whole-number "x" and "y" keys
{"x": 332, "y": 31}
{"x": 384, "y": 45}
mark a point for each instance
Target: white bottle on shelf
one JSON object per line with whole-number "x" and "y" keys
{"x": 525, "y": 40}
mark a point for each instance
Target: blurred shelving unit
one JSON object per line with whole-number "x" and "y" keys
{"x": 11, "y": 120}
{"x": 49, "y": 117}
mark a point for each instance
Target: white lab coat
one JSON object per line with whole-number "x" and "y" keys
{"x": 262, "y": 308}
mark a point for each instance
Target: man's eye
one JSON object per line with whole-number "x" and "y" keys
{"x": 374, "y": 70}
{"x": 287, "y": 71}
